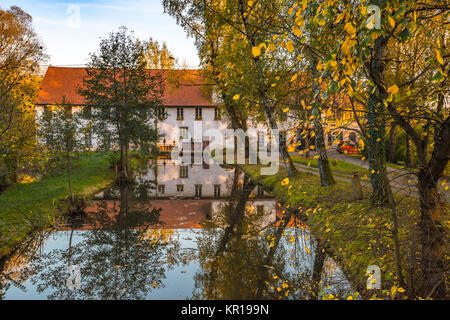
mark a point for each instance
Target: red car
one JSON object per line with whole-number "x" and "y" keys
{"x": 347, "y": 147}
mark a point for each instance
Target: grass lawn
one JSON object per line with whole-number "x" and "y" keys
{"x": 26, "y": 207}
{"x": 336, "y": 165}
{"x": 354, "y": 233}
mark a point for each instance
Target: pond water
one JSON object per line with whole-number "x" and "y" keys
{"x": 193, "y": 232}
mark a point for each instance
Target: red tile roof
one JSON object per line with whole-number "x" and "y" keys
{"x": 183, "y": 88}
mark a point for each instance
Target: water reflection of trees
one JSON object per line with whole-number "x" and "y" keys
{"x": 15, "y": 269}
{"x": 126, "y": 253}
{"x": 240, "y": 261}
{"x": 232, "y": 257}
{"x": 124, "y": 259}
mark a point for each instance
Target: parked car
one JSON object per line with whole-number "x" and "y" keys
{"x": 347, "y": 147}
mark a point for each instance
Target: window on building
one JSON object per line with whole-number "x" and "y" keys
{"x": 180, "y": 188}
{"x": 162, "y": 114}
{"x": 198, "y": 190}
{"x": 184, "y": 133}
{"x": 348, "y": 115}
{"x": 180, "y": 113}
{"x": 161, "y": 189}
{"x": 198, "y": 113}
{"x": 184, "y": 172}
{"x": 260, "y": 209}
{"x": 217, "y": 113}
{"x": 217, "y": 191}
{"x": 360, "y": 115}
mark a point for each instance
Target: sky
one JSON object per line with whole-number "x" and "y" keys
{"x": 70, "y": 30}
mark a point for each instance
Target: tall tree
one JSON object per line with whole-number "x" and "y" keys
{"x": 157, "y": 55}
{"x": 255, "y": 83}
{"x": 62, "y": 133}
{"x": 409, "y": 88}
{"x": 21, "y": 53}
{"x": 213, "y": 44}
{"x": 123, "y": 97}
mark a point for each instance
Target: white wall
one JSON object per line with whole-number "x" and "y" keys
{"x": 169, "y": 176}
{"x": 170, "y": 127}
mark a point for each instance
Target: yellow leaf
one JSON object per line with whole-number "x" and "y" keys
{"x": 296, "y": 30}
{"x": 285, "y": 182}
{"x": 271, "y": 47}
{"x": 349, "y": 28}
{"x": 339, "y": 17}
{"x": 256, "y": 51}
{"x": 285, "y": 109}
{"x": 294, "y": 77}
{"x": 319, "y": 65}
{"x": 347, "y": 45}
{"x": 290, "y": 46}
{"x": 391, "y": 21}
{"x": 393, "y": 89}
{"x": 438, "y": 56}
{"x": 236, "y": 97}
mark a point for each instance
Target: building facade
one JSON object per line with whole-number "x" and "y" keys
{"x": 188, "y": 105}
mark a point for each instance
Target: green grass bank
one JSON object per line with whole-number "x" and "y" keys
{"x": 355, "y": 234}
{"x": 27, "y": 207}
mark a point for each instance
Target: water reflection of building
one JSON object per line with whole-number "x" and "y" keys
{"x": 197, "y": 181}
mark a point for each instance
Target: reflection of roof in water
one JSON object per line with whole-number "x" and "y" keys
{"x": 174, "y": 214}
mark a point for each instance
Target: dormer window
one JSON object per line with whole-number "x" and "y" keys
{"x": 180, "y": 113}
{"x": 198, "y": 113}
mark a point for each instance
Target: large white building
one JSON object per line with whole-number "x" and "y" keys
{"x": 188, "y": 101}
{"x": 185, "y": 100}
